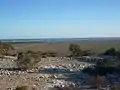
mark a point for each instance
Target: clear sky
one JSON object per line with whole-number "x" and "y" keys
{"x": 59, "y": 18}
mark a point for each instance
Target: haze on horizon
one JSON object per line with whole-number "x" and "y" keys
{"x": 59, "y": 18}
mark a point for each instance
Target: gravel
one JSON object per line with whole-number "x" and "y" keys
{"x": 35, "y": 78}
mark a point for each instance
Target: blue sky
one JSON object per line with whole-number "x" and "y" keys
{"x": 59, "y": 18}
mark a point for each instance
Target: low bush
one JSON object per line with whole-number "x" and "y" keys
{"x": 22, "y": 88}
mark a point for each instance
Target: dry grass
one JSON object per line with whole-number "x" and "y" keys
{"x": 63, "y": 48}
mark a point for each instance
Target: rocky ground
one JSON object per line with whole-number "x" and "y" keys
{"x": 50, "y": 72}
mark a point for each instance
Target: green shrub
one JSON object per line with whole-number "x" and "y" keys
{"x": 6, "y": 49}
{"x": 28, "y": 60}
{"x": 75, "y": 50}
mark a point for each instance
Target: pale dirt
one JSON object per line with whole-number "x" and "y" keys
{"x": 33, "y": 80}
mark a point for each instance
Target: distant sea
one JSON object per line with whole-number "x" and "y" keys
{"x": 48, "y": 40}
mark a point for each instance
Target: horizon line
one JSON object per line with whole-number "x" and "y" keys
{"x": 59, "y": 38}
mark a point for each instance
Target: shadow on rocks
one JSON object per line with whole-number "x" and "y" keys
{"x": 65, "y": 88}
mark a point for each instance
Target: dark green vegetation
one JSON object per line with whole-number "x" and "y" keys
{"x": 101, "y": 69}
{"x": 110, "y": 51}
{"x": 48, "y": 54}
{"x": 22, "y": 88}
{"x": 7, "y": 49}
{"x": 28, "y": 60}
{"x": 106, "y": 66}
{"x": 77, "y": 51}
